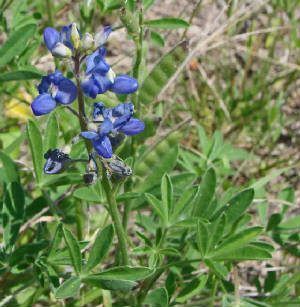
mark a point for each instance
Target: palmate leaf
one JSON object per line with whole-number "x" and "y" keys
{"x": 234, "y": 242}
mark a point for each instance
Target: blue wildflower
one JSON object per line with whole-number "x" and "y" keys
{"x": 100, "y": 77}
{"x": 54, "y": 88}
{"x": 114, "y": 120}
{"x": 63, "y": 43}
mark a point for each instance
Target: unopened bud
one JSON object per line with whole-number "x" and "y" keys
{"x": 61, "y": 51}
{"x": 75, "y": 36}
{"x": 87, "y": 42}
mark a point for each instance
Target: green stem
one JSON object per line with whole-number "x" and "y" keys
{"x": 111, "y": 200}
{"x": 50, "y": 13}
{"x": 214, "y": 290}
{"x": 79, "y": 221}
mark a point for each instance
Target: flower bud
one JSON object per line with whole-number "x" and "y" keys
{"x": 75, "y": 36}
{"x": 61, "y": 51}
{"x": 102, "y": 36}
{"x": 87, "y": 42}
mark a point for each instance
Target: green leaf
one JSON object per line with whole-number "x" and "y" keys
{"x": 157, "y": 39}
{"x": 238, "y": 205}
{"x": 219, "y": 269}
{"x": 51, "y": 133}
{"x": 263, "y": 245}
{"x": 236, "y": 241}
{"x": 148, "y": 4}
{"x": 88, "y": 193}
{"x": 182, "y": 204}
{"x": 100, "y": 247}
{"x": 12, "y": 213}
{"x": 166, "y": 192}
{"x": 248, "y": 252}
{"x": 128, "y": 196}
{"x": 20, "y": 75}
{"x": 10, "y": 169}
{"x": 113, "y": 284}
{"x": 202, "y": 238}
{"x": 167, "y": 23}
{"x": 292, "y": 223}
{"x": 262, "y": 181}
{"x": 192, "y": 288}
{"x": 158, "y": 207}
{"x": 36, "y": 147}
{"x": 74, "y": 250}
{"x": 216, "y": 230}
{"x": 161, "y": 73}
{"x": 124, "y": 273}
{"x": 205, "y": 193}
{"x": 16, "y": 43}
{"x": 69, "y": 288}
{"x": 56, "y": 240}
{"x": 158, "y": 297}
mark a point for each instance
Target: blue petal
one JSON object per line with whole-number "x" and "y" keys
{"x": 65, "y": 36}
{"x": 56, "y": 77}
{"x": 134, "y": 126}
{"x": 44, "y": 86}
{"x": 100, "y": 66}
{"x": 121, "y": 121}
{"x": 43, "y": 104}
{"x": 98, "y": 109}
{"x": 124, "y": 84}
{"x": 67, "y": 92}
{"x": 106, "y": 126}
{"x": 51, "y": 37}
{"x": 103, "y": 147}
{"x": 96, "y": 62}
{"x": 123, "y": 108}
{"x": 89, "y": 135}
{"x": 102, "y": 82}
{"x": 102, "y": 36}
{"x": 90, "y": 87}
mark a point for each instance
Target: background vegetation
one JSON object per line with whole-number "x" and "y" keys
{"x": 212, "y": 209}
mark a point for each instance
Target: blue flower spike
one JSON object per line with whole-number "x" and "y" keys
{"x": 53, "y": 89}
{"x": 113, "y": 121}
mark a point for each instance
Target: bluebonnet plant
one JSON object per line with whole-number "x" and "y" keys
{"x": 54, "y": 88}
{"x": 113, "y": 123}
{"x": 113, "y": 120}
